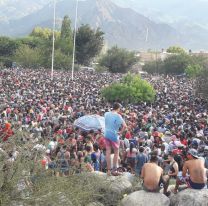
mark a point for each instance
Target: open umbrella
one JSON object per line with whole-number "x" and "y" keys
{"x": 90, "y": 122}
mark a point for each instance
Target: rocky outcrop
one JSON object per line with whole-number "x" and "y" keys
{"x": 142, "y": 198}
{"x": 190, "y": 197}
{"x": 113, "y": 187}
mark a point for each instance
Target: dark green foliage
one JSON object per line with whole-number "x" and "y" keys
{"x": 62, "y": 61}
{"x": 36, "y": 49}
{"x": 174, "y": 64}
{"x": 8, "y": 46}
{"x": 131, "y": 89}
{"x": 154, "y": 67}
{"x": 66, "y": 32}
{"x": 65, "y": 42}
{"x": 118, "y": 60}
{"x": 89, "y": 43}
{"x": 28, "y": 57}
{"x": 5, "y": 61}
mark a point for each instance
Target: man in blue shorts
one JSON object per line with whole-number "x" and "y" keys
{"x": 113, "y": 123}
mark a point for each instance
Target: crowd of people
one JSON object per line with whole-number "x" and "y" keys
{"x": 156, "y": 141}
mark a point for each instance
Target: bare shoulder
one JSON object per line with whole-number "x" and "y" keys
{"x": 146, "y": 165}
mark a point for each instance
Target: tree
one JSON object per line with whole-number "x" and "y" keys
{"x": 61, "y": 61}
{"x": 89, "y": 43}
{"x": 193, "y": 70}
{"x": 66, "y": 32}
{"x": 176, "y": 64}
{"x": 154, "y": 67}
{"x": 65, "y": 43}
{"x": 131, "y": 89}
{"x": 7, "y": 46}
{"x": 44, "y": 33}
{"x": 176, "y": 50}
{"x": 118, "y": 60}
{"x": 28, "y": 57}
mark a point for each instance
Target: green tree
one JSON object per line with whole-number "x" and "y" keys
{"x": 131, "y": 89}
{"x": 176, "y": 50}
{"x": 154, "y": 67}
{"x": 44, "y": 33}
{"x": 89, "y": 44}
{"x": 176, "y": 64}
{"x": 28, "y": 57}
{"x": 118, "y": 60}
{"x": 193, "y": 70}
{"x": 7, "y": 46}
{"x": 32, "y": 42}
{"x": 61, "y": 61}
{"x": 65, "y": 43}
{"x": 66, "y": 32}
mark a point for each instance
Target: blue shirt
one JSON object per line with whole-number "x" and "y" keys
{"x": 113, "y": 122}
{"x": 141, "y": 159}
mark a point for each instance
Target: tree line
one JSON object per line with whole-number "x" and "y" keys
{"x": 179, "y": 62}
{"x": 35, "y": 50}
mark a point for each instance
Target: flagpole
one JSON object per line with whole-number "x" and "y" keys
{"x": 74, "y": 46}
{"x": 54, "y": 26}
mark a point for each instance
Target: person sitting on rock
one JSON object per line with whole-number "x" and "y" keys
{"x": 197, "y": 173}
{"x": 172, "y": 172}
{"x": 152, "y": 175}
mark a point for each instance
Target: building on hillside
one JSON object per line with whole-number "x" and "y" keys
{"x": 152, "y": 56}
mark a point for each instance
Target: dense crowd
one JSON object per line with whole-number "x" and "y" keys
{"x": 30, "y": 101}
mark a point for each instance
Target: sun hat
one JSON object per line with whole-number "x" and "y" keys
{"x": 193, "y": 153}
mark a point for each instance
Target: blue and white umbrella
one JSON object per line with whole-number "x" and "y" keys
{"x": 90, "y": 122}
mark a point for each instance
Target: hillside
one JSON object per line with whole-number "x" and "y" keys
{"x": 188, "y": 17}
{"x": 15, "y": 9}
{"x": 122, "y": 26}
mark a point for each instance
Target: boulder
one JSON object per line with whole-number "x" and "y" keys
{"x": 142, "y": 198}
{"x": 190, "y": 197}
{"x": 120, "y": 185}
{"x": 115, "y": 184}
{"x": 113, "y": 187}
{"x": 132, "y": 178}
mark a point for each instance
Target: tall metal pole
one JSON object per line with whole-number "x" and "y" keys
{"x": 74, "y": 46}
{"x": 54, "y": 26}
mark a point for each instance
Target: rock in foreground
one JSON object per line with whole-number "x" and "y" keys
{"x": 142, "y": 198}
{"x": 190, "y": 197}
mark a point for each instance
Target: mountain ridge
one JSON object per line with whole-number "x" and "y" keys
{"x": 122, "y": 26}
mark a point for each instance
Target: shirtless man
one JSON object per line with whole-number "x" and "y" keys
{"x": 152, "y": 175}
{"x": 196, "y": 170}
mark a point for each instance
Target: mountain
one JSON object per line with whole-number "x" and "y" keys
{"x": 123, "y": 26}
{"x": 188, "y": 17}
{"x": 170, "y": 11}
{"x": 15, "y": 9}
